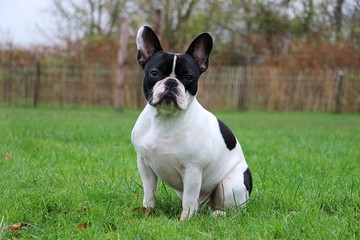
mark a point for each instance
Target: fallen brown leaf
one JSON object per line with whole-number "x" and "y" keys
{"x": 84, "y": 209}
{"x": 83, "y": 226}
{"x": 6, "y": 156}
{"x": 16, "y": 226}
{"x": 143, "y": 209}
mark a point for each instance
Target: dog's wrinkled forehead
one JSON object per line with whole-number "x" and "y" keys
{"x": 177, "y": 65}
{"x": 161, "y": 61}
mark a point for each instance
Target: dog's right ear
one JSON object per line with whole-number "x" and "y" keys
{"x": 147, "y": 44}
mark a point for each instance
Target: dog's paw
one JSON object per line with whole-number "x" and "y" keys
{"x": 186, "y": 215}
{"x": 219, "y": 213}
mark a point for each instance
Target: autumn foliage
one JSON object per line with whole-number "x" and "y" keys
{"x": 293, "y": 34}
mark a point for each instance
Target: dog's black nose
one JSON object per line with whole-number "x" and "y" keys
{"x": 171, "y": 83}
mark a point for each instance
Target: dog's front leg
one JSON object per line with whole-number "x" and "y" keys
{"x": 191, "y": 190}
{"x": 149, "y": 180}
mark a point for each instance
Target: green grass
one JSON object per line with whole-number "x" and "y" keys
{"x": 63, "y": 167}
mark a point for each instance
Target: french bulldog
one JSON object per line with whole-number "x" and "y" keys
{"x": 180, "y": 142}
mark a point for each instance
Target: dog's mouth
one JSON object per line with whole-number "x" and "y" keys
{"x": 167, "y": 98}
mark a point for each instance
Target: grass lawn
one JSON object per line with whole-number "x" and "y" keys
{"x": 71, "y": 174}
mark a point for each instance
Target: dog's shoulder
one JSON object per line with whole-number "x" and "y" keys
{"x": 220, "y": 127}
{"x": 227, "y": 134}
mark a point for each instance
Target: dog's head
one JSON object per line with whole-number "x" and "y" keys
{"x": 170, "y": 81}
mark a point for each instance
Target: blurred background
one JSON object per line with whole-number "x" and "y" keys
{"x": 282, "y": 55}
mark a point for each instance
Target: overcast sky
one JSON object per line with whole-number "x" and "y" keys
{"x": 18, "y": 20}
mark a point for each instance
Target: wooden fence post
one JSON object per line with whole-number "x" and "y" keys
{"x": 242, "y": 100}
{"x": 37, "y": 84}
{"x": 339, "y": 90}
{"x": 7, "y": 85}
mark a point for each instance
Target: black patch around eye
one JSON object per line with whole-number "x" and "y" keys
{"x": 248, "y": 180}
{"x": 227, "y": 135}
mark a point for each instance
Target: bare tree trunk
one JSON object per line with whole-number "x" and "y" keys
{"x": 338, "y": 19}
{"x": 158, "y": 22}
{"x": 120, "y": 76}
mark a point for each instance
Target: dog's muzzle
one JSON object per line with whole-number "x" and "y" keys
{"x": 169, "y": 93}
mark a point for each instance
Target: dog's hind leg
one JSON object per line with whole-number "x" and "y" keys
{"x": 233, "y": 190}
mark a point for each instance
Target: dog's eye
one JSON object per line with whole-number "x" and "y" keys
{"x": 154, "y": 73}
{"x": 189, "y": 77}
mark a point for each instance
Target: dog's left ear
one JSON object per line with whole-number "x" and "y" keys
{"x": 200, "y": 49}
{"x": 147, "y": 44}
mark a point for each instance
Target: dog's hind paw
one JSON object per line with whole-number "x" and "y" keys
{"x": 219, "y": 213}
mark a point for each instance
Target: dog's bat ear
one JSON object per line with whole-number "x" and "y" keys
{"x": 147, "y": 44}
{"x": 200, "y": 49}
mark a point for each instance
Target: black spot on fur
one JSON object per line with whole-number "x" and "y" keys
{"x": 248, "y": 180}
{"x": 227, "y": 135}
